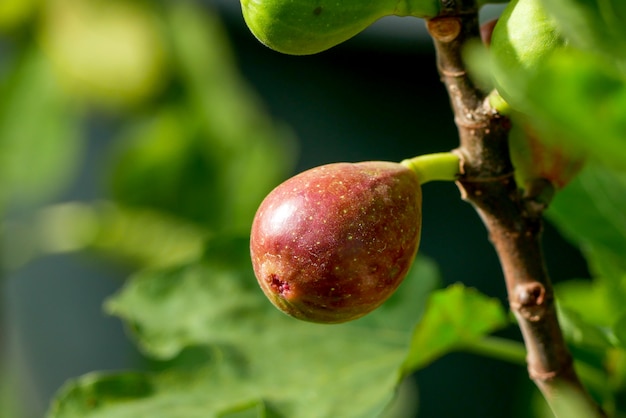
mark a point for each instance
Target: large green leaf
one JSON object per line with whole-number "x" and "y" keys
{"x": 455, "y": 317}
{"x": 225, "y": 349}
{"x": 591, "y": 211}
{"x": 219, "y": 301}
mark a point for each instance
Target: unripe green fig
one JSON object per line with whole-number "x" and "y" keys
{"x": 332, "y": 243}
{"x": 533, "y": 160}
{"x": 302, "y": 27}
{"x": 523, "y": 37}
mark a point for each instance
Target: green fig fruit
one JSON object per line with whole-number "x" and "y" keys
{"x": 533, "y": 160}
{"x": 331, "y": 244}
{"x": 303, "y": 27}
{"x": 523, "y": 37}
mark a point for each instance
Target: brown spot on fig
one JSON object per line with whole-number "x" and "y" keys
{"x": 278, "y": 285}
{"x": 317, "y": 11}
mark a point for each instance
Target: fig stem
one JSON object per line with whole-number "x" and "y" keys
{"x": 444, "y": 166}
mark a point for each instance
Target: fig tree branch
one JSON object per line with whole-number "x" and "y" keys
{"x": 513, "y": 221}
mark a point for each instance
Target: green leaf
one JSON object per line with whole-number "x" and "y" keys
{"x": 591, "y": 212}
{"x": 454, "y": 317}
{"x": 40, "y": 137}
{"x": 577, "y": 100}
{"x": 581, "y": 333}
{"x": 594, "y": 25}
{"x": 588, "y": 299}
{"x": 169, "y": 309}
{"x": 225, "y": 349}
{"x": 212, "y": 153}
{"x": 218, "y": 385}
{"x": 619, "y": 330}
{"x": 141, "y": 237}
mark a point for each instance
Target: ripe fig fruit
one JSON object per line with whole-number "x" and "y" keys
{"x": 305, "y": 27}
{"x": 331, "y": 244}
{"x": 523, "y": 37}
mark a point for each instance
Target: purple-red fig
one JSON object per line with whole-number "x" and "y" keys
{"x": 331, "y": 244}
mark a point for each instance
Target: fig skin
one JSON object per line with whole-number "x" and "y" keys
{"x": 307, "y": 27}
{"x": 534, "y": 160}
{"x": 523, "y": 38}
{"x": 331, "y": 244}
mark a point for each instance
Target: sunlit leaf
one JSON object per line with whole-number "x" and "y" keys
{"x": 229, "y": 351}
{"x": 454, "y": 316}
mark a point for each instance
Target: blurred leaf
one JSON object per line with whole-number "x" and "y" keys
{"x": 228, "y": 350}
{"x": 574, "y": 98}
{"x": 588, "y": 299}
{"x": 14, "y": 13}
{"x": 594, "y": 25}
{"x": 591, "y": 212}
{"x": 40, "y": 138}
{"x": 143, "y": 237}
{"x": 109, "y": 53}
{"x": 454, "y": 317}
{"x": 619, "y": 330}
{"x": 581, "y": 333}
{"x": 211, "y": 155}
{"x": 577, "y": 101}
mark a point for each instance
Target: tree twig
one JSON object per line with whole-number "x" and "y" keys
{"x": 514, "y": 223}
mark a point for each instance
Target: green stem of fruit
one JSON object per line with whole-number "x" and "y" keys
{"x": 443, "y": 166}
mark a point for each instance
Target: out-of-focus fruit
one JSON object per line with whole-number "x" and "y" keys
{"x": 310, "y": 26}
{"x": 533, "y": 160}
{"x": 523, "y": 37}
{"x": 331, "y": 244}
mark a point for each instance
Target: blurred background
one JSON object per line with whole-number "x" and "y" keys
{"x": 76, "y": 74}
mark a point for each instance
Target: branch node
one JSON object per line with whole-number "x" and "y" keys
{"x": 445, "y": 28}
{"x": 529, "y": 300}
{"x": 541, "y": 376}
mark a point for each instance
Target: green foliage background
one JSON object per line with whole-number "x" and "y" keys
{"x": 193, "y": 149}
